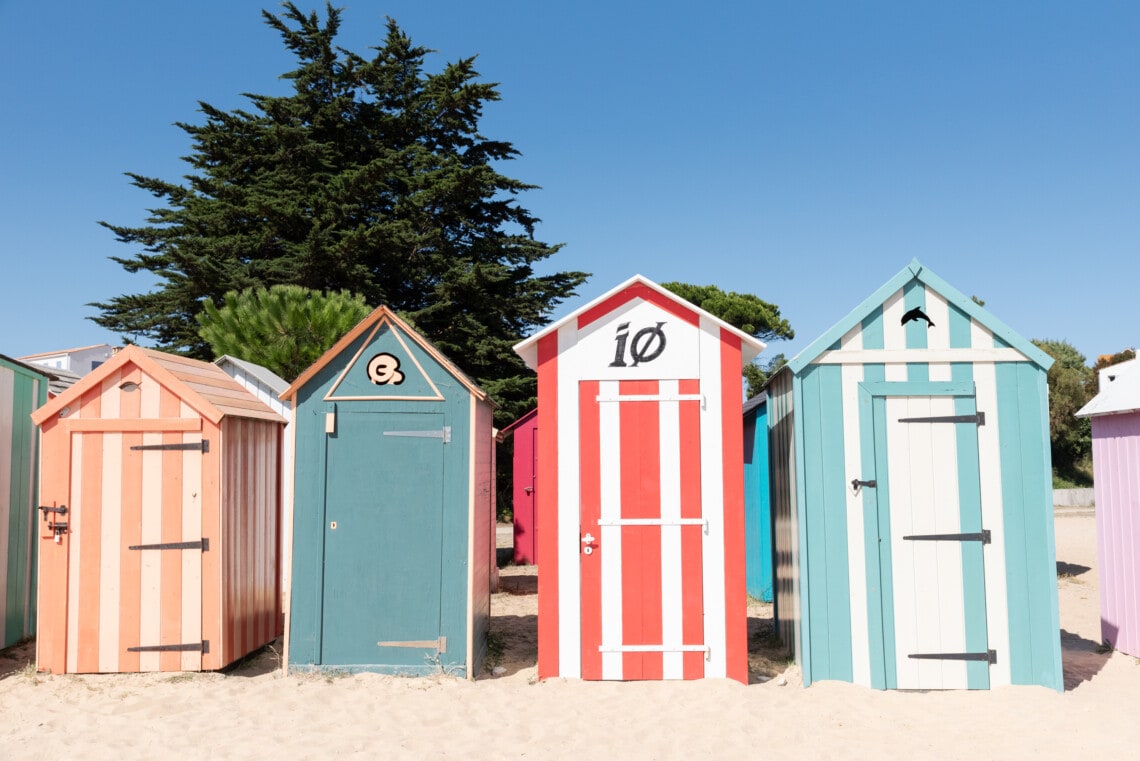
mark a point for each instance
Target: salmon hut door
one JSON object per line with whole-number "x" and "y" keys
{"x": 640, "y": 489}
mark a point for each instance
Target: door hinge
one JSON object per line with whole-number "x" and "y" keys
{"x": 203, "y": 446}
{"x": 443, "y": 433}
{"x": 437, "y": 644}
{"x": 978, "y": 418}
{"x": 202, "y": 647}
{"x": 982, "y": 536}
{"x": 202, "y": 544}
{"x": 989, "y": 656}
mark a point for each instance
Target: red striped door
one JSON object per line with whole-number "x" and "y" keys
{"x": 641, "y": 530}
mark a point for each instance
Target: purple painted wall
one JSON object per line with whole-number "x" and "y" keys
{"x": 1116, "y": 470}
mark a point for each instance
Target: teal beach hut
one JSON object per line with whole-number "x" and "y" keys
{"x": 757, "y": 505}
{"x": 912, "y": 497}
{"x": 23, "y": 389}
{"x": 393, "y": 508}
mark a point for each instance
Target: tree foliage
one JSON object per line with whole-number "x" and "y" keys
{"x": 745, "y": 312}
{"x": 371, "y": 176}
{"x": 1070, "y": 437}
{"x": 285, "y": 328}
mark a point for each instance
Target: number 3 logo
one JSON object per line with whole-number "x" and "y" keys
{"x": 384, "y": 369}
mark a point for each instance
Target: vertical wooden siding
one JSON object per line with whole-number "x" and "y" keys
{"x": 482, "y": 533}
{"x": 782, "y": 470}
{"x": 1116, "y": 465}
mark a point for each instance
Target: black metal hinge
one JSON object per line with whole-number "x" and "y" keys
{"x": 979, "y": 419}
{"x": 203, "y": 446}
{"x": 982, "y": 536}
{"x": 202, "y": 544}
{"x": 202, "y": 647}
{"x": 989, "y": 656}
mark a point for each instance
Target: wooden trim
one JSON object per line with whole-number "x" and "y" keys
{"x": 116, "y": 425}
{"x": 905, "y": 356}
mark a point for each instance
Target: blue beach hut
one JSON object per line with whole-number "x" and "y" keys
{"x": 757, "y": 505}
{"x": 911, "y": 494}
{"x": 393, "y": 508}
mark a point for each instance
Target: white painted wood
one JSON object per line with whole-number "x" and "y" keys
{"x": 609, "y": 450}
{"x": 894, "y": 334}
{"x": 989, "y": 469}
{"x": 712, "y": 500}
{"x": 569, "y": 567}
{"x": 856, "y": 503}
{"x": 672, "y": 624}
{"x": 938, "y": 335}
{"x": 903, "y": 356}
{"x": 599, "y": 343}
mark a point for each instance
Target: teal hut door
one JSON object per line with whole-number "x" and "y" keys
{"x": 383, "y": 539}
{"x": 931, "y": 540}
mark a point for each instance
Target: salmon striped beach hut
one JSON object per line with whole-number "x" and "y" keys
{"x": 640, "y": 489}
{"x": 912, "y": 497}
{"x": 393, "y": 519}
{"x": 159, "y": 520}
{"x": 23, "y": 388}
{"x": 1115, "y": 416}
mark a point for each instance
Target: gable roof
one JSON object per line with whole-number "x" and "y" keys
{"x": 205, "y": 387}
{"x": 66, "y": 351}
{"x": 15, "y": 364}
{"x": 755, "y": 402}
{"x": 379, "y": 315}
{"x": 528, "y": 348}
{"x": 270, "y": 379}
{"x": 522, "y": 420}
{"x": 1119, "y": 391}
{"x": 916, "y": 271}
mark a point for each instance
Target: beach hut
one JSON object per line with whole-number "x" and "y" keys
{"x": 159, "y": 522}
{"x": 1115, "y": 417}
{"x": 268, "y": 386}
{"x": 524, "y": 469}
{"x": 23, "y": 388}
{"x": 393, "y": 508}
{"x": 757, "y": 505}
{"x": 640, "y": 489}
{"x": 911, "y": 494}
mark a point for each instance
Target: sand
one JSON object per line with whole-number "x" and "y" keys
{"x": 255, "y": 711}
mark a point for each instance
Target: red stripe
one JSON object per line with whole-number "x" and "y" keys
{"x": 590, "y": 500}
{"x": 548, "y": 505}
{"x": 638, "y": 291}
{"x": 692, "y": 573}
{"x": 641, "y": 545}
{"x": 732, "y": 453}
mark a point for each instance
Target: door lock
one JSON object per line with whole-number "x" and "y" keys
{"x": 588, "y": 543}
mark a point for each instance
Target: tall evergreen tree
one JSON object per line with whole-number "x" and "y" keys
{"x": 370, "y": 176}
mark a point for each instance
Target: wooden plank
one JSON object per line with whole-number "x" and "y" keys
{"x": 113, "y": 425}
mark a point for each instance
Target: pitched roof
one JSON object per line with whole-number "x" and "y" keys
{"x": 50, "y": 374}
{"x": 1119, "y": 391}
{"x": 65, "y": 351}
{"x": 270, "y": 379}
{"x": 378, "y": 315}
{"x": 528, "y": 347}
{"x": 755, "y": 402}
{"x": 204, "y": 386}
{"x": 916, "y": 271}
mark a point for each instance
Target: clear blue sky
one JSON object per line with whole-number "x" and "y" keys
{"x": 802, "y": 151}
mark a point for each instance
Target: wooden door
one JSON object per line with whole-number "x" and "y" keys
{"x": 383, "y": 540}
{"x": 641, "y": 530}
{"x": 936, "y": 594}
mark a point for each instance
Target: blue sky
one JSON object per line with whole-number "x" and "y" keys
{"x": 802, "y": 151}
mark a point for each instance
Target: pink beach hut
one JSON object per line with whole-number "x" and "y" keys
{"x": 1115, "y": 416}
{"x": 524, "y": 469}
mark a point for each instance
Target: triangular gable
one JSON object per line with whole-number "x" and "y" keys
{"x": 151, "y": 363}
{"x": 1119, "y": 391}
{"x": 523, "y": 420}
{"x": 636, "y": 287}
{"x": 371, "y": 375}
{"x": 916, "y": 271}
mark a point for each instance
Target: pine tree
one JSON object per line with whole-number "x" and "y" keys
{"x": 370, "y": 176}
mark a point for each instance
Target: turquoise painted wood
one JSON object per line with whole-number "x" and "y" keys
{"x": 840, "y": 484}
{"x": 757, "y": 501}
{"x": 392, "y": 520}
{"x": 22, "y": 390}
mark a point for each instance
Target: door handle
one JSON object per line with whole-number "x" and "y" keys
{"x": 856, "y": 484}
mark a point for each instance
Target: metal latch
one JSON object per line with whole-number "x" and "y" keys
{"x": 856, "y": 484}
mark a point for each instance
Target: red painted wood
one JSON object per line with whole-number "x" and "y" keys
{"x": 547, "y": 515}
{"x": 590, "y": 499}
{"x": 732, "y": 448}
{"x": 692, "y": 559}
{"x": 637, "y": 291}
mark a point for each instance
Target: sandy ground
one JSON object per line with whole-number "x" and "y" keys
{"x": 254, "y": 711}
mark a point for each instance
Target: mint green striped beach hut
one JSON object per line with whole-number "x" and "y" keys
{"x": 911, "y": 497}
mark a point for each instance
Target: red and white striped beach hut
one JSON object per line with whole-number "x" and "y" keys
{"x": 159, "y": 519}
{"x": 640, "y": 489}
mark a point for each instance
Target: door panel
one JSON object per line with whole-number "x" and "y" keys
{"x": 382, "y": 582}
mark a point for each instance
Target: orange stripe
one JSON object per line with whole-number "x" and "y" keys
{"x": 641, "y": 545}
{"x": 130, "y": 561}
{"x": 211, "y": 561}
{"x": 170, "y": 621}
{"x": 692, "y": 564}
{"x": 90, "y": 539}
{"x": 548, "y": 505}
{"x": 52, "y": 591}
{"x": 732, "y": 453}
{"x": 590, "y": 500}
{"x": 637, "y": 291}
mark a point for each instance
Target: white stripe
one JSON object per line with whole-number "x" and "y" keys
{"x": 75, "y": 535}
{"x": 656, "y": 521}
{"x": 938, "y": 336}
{"x": 989, "y": 471}
{"x": 665, "y": 397}
{"x": 569, "y": 512}
{"x": 712, "y": 500}
{"x": 894, "y": 339}
{"x": 609, "y": 451}
{"x": 192, "y": 530}
{"x": 946, "y": 515}
{"x": 672, "y": 588}
{"x": 901, "y": 356}
{"x": 150, "y": 563}
{"x": 110, "y": 532}
{"x": 857, "y": 502}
